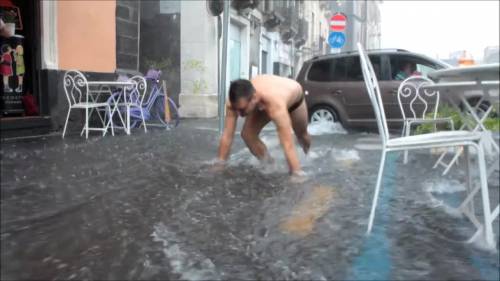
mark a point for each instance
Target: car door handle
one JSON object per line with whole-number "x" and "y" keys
{"x": 336, "y": 92}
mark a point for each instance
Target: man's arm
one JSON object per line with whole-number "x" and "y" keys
{"x": 226, "y": 139}
{"x": 283, "y": 123}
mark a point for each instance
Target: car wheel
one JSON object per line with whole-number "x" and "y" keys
{"x": 323, "y": 114}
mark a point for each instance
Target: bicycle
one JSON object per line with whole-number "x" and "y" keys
{"x": 152, "y": 107}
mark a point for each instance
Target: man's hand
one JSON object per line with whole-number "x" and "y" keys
{"x": 218, "y": 166}
{"x": 298, "y": 177}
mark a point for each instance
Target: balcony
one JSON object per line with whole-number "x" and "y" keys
{"x": 273, "y": 15}
{"x": 302, "y": 34}
{"x": 290, "y": 26}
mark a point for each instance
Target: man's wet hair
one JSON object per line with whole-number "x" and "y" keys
{"x": 240, "y": 88}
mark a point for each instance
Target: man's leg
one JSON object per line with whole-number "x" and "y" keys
{"x": 299, "y": 119}
{"x": 250, "y": 134}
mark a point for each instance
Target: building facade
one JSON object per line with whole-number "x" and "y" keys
{"x": 265, "y": 37}
{"x": 182, "y": 38}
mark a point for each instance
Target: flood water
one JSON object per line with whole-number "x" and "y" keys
{"x": 148, "y": 206}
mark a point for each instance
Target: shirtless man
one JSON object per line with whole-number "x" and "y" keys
{"x": 267, "y": 98}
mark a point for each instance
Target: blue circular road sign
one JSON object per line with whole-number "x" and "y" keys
{"x": 336, "y": 39}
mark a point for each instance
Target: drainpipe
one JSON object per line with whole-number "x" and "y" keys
{"x": 222, "y": 92}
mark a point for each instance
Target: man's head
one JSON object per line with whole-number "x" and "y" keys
{"x": 409, "y": 68}
{"x": 241, "y": 93}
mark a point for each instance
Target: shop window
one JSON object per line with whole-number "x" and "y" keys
{"x": 127, "y": 34}
{"x": 18, "y": 97}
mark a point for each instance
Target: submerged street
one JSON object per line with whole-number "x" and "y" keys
{"x": 149, "y": 206}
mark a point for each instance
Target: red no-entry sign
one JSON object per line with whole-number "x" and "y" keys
{"x": 338, "y": 22}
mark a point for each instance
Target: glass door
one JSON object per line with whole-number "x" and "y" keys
{"x": 234, "y": 52}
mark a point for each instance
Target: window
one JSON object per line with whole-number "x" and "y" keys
{"x": 403, "y": 66}
{"x": 264, "y": 63}
{"x": 354, "y": 72}
{"x": 321, "y": 71}
{"x": 341, "y": 69}
{"x": 127, "y": 33}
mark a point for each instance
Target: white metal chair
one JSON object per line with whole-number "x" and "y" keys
{"x": 415, "y": 101}
{"x": 136, "y": 98}
{"x": 425, "y": 141}
{"x": 76, "y": 89}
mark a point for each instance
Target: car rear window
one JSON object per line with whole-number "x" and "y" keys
{"x": 340, "y": 69}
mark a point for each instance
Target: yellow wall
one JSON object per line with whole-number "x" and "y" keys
{"x": 86, "y": 35}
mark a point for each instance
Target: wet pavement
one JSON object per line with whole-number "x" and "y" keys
{"x": 148, "y": 206}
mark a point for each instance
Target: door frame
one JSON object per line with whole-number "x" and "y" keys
{"x": 244, "y": 25}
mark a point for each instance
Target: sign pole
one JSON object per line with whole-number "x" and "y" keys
{"x": 223, "y": 68}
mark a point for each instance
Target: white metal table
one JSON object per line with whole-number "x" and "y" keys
{"x": 457, "y": 86}
{"x": 97, "y": 88}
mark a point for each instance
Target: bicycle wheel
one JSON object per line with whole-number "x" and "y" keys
{"x": 158, "y": 113}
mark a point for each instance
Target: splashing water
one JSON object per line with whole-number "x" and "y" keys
{"x": 190, "y": 265}
{"x": 325, "y": 128}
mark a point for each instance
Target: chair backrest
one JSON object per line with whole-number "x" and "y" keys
{"x": 415, "y": 99}
{"x": 139, "y": 92}
{"x": 373, "y": 90}
{"x": 75, "y": 86}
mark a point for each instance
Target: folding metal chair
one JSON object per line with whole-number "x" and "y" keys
{"x": 415, "y": 101}
{"x": 438, "y": 139}
{"x": 76, "y": 89}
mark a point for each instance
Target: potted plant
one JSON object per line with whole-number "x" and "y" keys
{"x": 195, "y": 100}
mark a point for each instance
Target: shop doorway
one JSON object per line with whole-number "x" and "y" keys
{"x": 19, "y": 95}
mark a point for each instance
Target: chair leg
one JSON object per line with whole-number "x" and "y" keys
{"x": 111, "y": 122}
{"x": 128, "y": 119}
{"x": 443, "y": 154}
{"x": 488, "y": 229}
{"x": 407, "y": 133}
{"x": 455, "y": 158}
{"x": 377, "y": 190}
{"x": 469, "y": 179}
{"x": 404, "y": 129}
{"x": 86, "y": 123}
{"x": 66, "y": 123}
{"x": 143, "y": 119}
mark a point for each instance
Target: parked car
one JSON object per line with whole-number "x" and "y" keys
{"x": 335, "y": 90}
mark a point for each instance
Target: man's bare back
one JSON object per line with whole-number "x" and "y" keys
{"x": 277, "y": 91}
